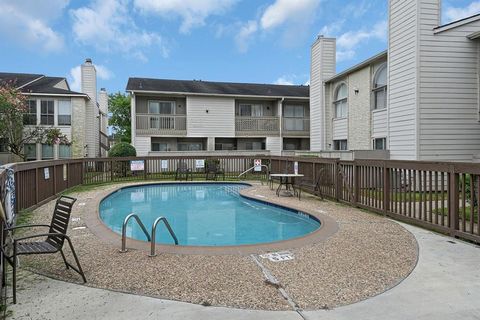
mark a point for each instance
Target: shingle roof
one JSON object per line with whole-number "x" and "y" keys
{"x": 216, "y": 88}
{"x": 19, "y": 79}
{"x": 36, "y": 83}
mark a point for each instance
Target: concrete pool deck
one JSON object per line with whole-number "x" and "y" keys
{"x": 444, "y": 285}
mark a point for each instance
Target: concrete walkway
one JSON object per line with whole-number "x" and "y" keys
{"x": 444, "y": 285}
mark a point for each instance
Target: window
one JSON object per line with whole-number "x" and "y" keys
{"x": 254, "y": 145}
{"x": 64, "y": 151}
{"x": 30, "y": 117}
{"x": 250, "y": 110}
{"x": 379, "y": 98}
{"x": 47, "y": 151}
{"x": 190, "y": 146}
{"x": 340, "y": 145}
{"x": 379, "y": 144}
{"x": 30, "y": 151}
{"x": 159, "y": 146}
{"x": 47, "y": 112}
{"x": 294, "y": 118}
{"x": 163, "y": 109}
{"x": 340, "y": 102}
{"x": 3, "y": 145}
{"x": 64, "y": 113}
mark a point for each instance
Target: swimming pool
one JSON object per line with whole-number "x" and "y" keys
{"x": 203, "y": 214}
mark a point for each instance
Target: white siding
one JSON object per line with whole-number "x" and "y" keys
{"x": 379, "y": 123}
{"x": 448, "y": 90}
{"x": 219, "y": 121}
{"x": 322, "y": 67}
{"x": 89, "y": 86}
{"x": 143, "y": 146}
{"x": 274, "y": 145}
{"x": 402, "y": 82}
{"x": 340, "y": 129}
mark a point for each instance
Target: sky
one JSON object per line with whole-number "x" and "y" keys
{"x": 261, "y": 41}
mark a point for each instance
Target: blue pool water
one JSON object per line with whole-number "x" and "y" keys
{"x": 203, "y": 215}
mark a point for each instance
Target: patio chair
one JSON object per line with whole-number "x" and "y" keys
{"x": 311, "y": 184}
{"x": 183, "y": 172}
{"x": 213, "y": 170}
{"x": 53, "y": 243}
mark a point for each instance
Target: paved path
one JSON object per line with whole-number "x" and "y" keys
{"x": 444, "y": 285}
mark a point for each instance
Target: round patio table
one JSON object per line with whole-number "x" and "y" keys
{"x": 287, "y": 180}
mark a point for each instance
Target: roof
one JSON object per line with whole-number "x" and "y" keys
{"x": 37, "y": 83}
{"x": 379, "y": 56}
{"x": 457, "y": 23}
{"x": 216, "y": 88}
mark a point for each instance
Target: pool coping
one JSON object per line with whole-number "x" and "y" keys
{"x": 328, "y": 227}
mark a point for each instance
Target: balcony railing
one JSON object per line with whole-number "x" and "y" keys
{"x": 245, "y": 126}
{"x": 296, "y": 126}
{"x": 161, "y": 124}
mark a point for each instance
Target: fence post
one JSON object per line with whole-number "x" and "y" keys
{"x": 111, "y": 170}
{"x": 145, "y": 169}
{"x": 338, "y": 181}
{"x": 453, "y": 179}
{"x": 356, "y": 183}
{"x": 386, "y": 188}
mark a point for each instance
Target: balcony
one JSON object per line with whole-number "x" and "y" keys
{"x": 148, "y": 124}
{"x": 251, "y": 126}
{"x": 296, "y": 127}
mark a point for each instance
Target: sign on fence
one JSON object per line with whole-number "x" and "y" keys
{"x": 258, "y": 165}
{"x": 46, "y": 173}
{"x": 137, "y": 165}
{"x": 164, "y": 164}
{"x": 199, "y": 163}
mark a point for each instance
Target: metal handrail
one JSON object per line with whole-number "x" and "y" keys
{"x": 154, "y": 229}
{"x": 248, "y": 170}
{"x": 124, "y": 230}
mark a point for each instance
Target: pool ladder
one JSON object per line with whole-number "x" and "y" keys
{"x": 151, "y": 239}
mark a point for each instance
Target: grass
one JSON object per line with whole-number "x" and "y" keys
{"x": 444, "y": 212}
{"x": 415, "y": 196}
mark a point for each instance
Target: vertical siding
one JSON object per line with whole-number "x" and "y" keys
{"x": 449, "y": 127}
{"x": 340, "y": 129}
{"x": 218, "y": 122}
{"x": 322, "y": 67}
{"x": 379, "y": 123}
{"x": 89, "y": 86}
{"x": 274, "y": 144}
{"x": 402, "y": 82}
{"x": 143, "y": 146}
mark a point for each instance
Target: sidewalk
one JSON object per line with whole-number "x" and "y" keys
{"x": 444, "y": 285}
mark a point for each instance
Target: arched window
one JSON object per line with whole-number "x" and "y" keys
{"x": 380, "y": 88}
{"x": 340, "y": 102}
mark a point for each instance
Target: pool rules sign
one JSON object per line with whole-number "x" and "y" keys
{"x": 257, "y": 163}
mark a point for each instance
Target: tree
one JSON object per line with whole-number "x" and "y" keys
{"x": 13, "y": 108}
{"x": 122, "y": 149}
{"x": 120, "y": 119}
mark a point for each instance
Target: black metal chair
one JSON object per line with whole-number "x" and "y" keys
{"x": 311, "y": 184}
{"x": 183, "y": 172}
{"x": 53, "y": 243}
{"x": 213, "y": 170}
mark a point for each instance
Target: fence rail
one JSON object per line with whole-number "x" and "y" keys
{"x": 440, "y": 196}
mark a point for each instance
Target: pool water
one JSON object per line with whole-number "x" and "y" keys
{"x": 203, "y": 215}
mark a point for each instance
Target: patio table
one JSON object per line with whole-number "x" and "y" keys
{"x": 287, "y": 180}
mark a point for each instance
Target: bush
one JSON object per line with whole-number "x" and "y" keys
{"x": 122, "y": 149}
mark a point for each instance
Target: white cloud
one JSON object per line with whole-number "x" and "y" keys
{"x": 455, "y": 13}
{"x": 192, "y": 12}
{"x": 29, "y": 23}
{"x": 243, "y": 38}
{"x": 284, "y": 81}
{"x": 75, "y": 76}
{"x": 349, "y": 41}
{"x": 107, "y": 26}
{"x": 283, "y": 11}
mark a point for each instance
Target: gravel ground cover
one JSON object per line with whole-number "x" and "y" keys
{"x": 366, "y": 256}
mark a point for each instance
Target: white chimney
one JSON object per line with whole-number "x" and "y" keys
{"x": 103, "y": 100}
{"x": 92, "y": 126}
{"x": 89, "y": 79}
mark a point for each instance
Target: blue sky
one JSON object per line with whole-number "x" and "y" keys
{"x": 265, "y": 41}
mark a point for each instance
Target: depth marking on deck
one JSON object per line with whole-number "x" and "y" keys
{"x": 271, "y": 279}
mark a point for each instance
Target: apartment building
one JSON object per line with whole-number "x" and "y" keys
{"x": 171, "y": 116}
{"x": 52, "y": 104}
{"x": 419, "y": 99}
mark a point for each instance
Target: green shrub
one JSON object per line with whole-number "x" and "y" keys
{"x": 122, "y": 149}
